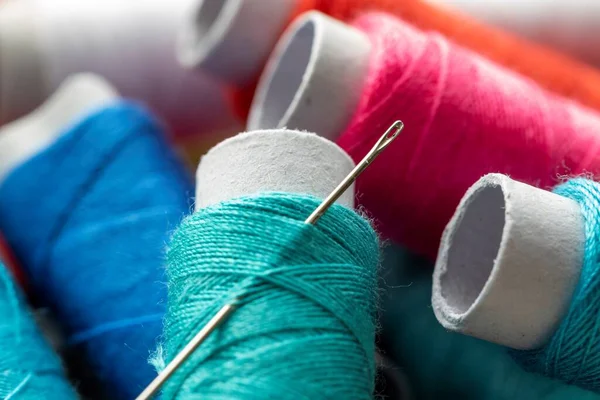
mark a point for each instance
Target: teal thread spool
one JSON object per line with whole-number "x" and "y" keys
{"x": 304, "y": 327}
{"x": 312, "y": 151}
{"x": 28, "y": 367}
{"x": 518, "y": 266}
{"x": 444, "y": 365}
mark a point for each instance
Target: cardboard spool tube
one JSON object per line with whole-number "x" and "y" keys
{"x": 230, "y": 39}
{"x": 508, "y": 263}
{"x": 27, "y": 136}
{"x": 314, "y": 77}
{"x": 272, "y": 160}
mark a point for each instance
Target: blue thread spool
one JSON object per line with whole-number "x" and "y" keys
{"x": 29, "y": 368}
{"x": 93, "y": 245}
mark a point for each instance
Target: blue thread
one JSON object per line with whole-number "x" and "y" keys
{"x": 29, "y": 369}
{"x": 304, "y": 327}
{"x": 443, "y": 365}
{"x": 89, "y": 219}
{"x": 573, "y": 352}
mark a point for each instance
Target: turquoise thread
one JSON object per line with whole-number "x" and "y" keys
{"x": 29, "y": 369}
{"x": 443, "y": 365}
{"x": 305, "y": 325}
{"x": 573, "y": 352}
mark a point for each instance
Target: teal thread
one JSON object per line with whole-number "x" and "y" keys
{"x": 573, "y": 353}
{"x": 29, "y": 369}
{"x": 305, "y": 323}
{"x": 443, "y": 365}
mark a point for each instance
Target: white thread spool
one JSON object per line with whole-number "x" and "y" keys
{"x": 314, "y": 78}
{"x": 508, "y": 263}
{"x": 25, "y": 137}
{"x": 231, "y": 39}
{"x": 130, "y": 43}
{"x": 272, "y": 160}
{"x": 571, "y": 26}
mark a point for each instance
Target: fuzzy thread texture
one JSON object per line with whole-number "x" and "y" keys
{"x": 29, "y": 369}
{"x": 89, "y": 218}
{"x": 304, "y": 325}
{"x": 444, "y": 365}
{"x": 550, "y": 69}
{"x": 464, "y": 117}
{"x": 573, "y": 352}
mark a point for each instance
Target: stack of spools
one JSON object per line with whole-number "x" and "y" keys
{"x": 254, "y": 284}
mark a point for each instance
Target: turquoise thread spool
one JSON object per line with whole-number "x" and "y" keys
{"x": 518, "y": 267}
{"x": 304, "y": 325}
{"x": 185, "y": 351}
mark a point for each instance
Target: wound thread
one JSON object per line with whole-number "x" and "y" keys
{"x": 28, "y": 367}
{"x": 89, "y": 218}
{"x": 465, "y": 117}
{"x": 573, "y": 352}
{"x": 305, "y": 322}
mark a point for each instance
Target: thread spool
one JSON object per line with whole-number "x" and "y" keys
{"x": 516, "y": 128}
{"x": 229, "y": 24}
{"x": 441, "y": 364}
{"x": 510, "y": 251}
{"x": 94, "y": 250}
{"x": 23, "y": 138}
{"x": 316, "y": 54}
{"x": 224, "y": 38}
{"x": 568, "y": 26}
{"x": 490, "y": 292}
{"x": 271, "y": 153}
{"x": 30, "y": 370}
{"x": 129, "y": 43}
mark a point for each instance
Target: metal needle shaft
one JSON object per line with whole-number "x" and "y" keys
{"x": 381, "y": 144}
{"x": 390, "y": 134}
{"x": 170, "y": 369}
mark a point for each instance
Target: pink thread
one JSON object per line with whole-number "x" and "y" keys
{"x": 464, "y": 117}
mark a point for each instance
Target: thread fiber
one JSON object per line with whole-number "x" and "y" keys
{"x": 28, "y": 367}
{"x": 89, "y": 218}
{"x": 443, "y": 365}
{"x": 573, "y": 352}
{"x": 464, "y": 118}
{"x": 304, "y": 327}
{"x": 550, "y": 69}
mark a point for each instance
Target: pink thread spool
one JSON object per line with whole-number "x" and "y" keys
{"x": 465, "y": 117}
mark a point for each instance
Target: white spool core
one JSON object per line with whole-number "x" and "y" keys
{"x": 25, "y": 137}
{"x": 272, "y": 160}
{"x": 231, "y": 39}
{"x": 314, "y": 78}
{"x": 508, "y": 263}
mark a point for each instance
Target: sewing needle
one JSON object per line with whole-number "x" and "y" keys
{"x": 390, "y": 134}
